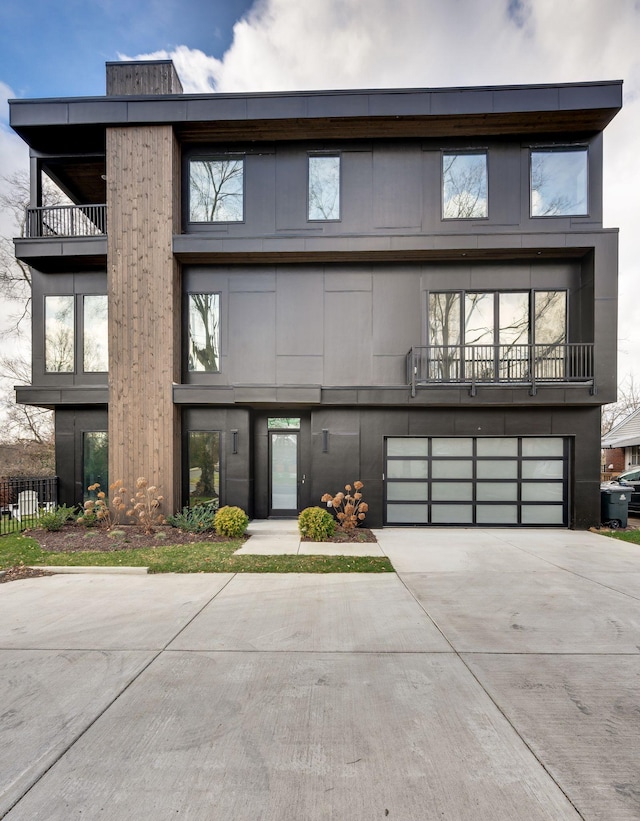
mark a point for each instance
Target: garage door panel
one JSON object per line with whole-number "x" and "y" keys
{"x": 509, "y": 481}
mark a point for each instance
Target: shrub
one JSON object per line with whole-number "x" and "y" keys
{"x": 96, "y": 511}
{"x": 230, "y": 521}
{"x": 349, "y": 508}
{"x": 54, "y": 519}
{"x": 196, "y": 519}
{"x": 145, "y": 505}
{"x": 316, "y": 524}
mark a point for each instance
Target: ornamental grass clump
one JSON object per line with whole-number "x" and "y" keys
{"x": 349, "y": 507}
{"x": 196, "y": 519}
{"x": 316, "y": 524}
{"x": 53, "y": 520}
{"x": 231, "y": 522}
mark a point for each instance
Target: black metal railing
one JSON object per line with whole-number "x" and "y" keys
{"x": 474, "y": 365}
{"x": 67, "y": 221}
{"x": 23, "y": 499}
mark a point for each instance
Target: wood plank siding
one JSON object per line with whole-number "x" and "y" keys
{"x": 143, "y": 189}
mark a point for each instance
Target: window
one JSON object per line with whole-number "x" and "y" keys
{"x": 95, "y": 334}
{"x": 59, "y": 343}
{"x": 324, "y": 188}
{"x": 95, "y": 461}
{"x": 216, "y": 190}
{"x": 558, "y": 182}
{"x": 464, "y": 185}
{"x": 204, "y": 466}
{"x": 204, "y": 332}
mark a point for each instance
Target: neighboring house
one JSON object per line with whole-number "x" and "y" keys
{"x": 621, "y": 445}
{"x": 261, "y": 297}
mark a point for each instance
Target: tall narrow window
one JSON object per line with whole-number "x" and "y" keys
{"x": 216, "y": 190}
{"x": 324, "y": 188}
{"x": 204, "y": 466}
{"x": 204, "y": 332}
{"x": 59, "y": 334}
{"x": 464, "y": 185}
{"x": 95, "y": 350}
{"x": 95, "y": 460}
{"x": 559, "y": 182}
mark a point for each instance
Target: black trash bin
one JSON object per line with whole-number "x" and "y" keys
{"x": 614, "y": 505}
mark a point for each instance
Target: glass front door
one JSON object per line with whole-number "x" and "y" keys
{"x": 283, "y": 468}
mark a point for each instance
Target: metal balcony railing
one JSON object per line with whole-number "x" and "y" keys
{"x": 475, "y": 365}
{"x": 67, "y": 221}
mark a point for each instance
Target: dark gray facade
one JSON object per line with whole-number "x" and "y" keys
{"x": 334, "y": 322}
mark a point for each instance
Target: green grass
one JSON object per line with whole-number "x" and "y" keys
{"x": 632, "y": 536}
{"x": 200, "y": 557}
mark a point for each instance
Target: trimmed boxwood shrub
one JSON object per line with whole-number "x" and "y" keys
{"x": 316, "y": 524}
{"x": 231, "y": 522}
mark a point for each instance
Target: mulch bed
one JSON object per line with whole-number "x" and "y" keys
{"x": 14, "y": 574}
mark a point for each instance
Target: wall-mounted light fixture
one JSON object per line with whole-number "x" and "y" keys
{"x": 234, "y": 441}
{"x": 325, "y": 440}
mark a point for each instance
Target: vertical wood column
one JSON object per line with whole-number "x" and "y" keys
{"x": 143, "y": 190}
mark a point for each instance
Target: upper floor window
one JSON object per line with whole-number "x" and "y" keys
{"x": 95, "y": 349}
{"x": 559, "y": 182}
{"x": 324, "y": 187}
{"x": 204, "y": 332}
{"x": 216, "y": 190}
{"x": 464, "y": 185}
{"x": 59, "y": 337}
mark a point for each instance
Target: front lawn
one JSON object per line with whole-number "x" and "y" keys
{"x": 199, "y": 557}
{"x": 632, "y": 536}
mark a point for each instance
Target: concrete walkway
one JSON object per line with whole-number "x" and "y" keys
{"x": 494, "y": 677}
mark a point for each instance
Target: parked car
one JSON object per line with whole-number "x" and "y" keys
{"x": 632, "y": 477}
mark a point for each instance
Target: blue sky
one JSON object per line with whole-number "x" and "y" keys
{"x": 52, "y": 48}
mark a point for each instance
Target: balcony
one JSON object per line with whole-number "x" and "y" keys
{"x": 514, "y": 365}
{"x": 67, "y": 221}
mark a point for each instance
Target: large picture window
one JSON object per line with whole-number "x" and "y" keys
{"x": 324, "y": 188}
{"x": 216, "y": 190}
{"x": 204, "y": 466}
{"x": 464, "y": 185}
{"x": 559, "y": 182}
{"x": 204, "y": 332}
{"x": 59, "y": 345}
{"x": 95, "y": 349}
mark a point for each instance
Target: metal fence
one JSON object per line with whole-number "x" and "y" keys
{"x": 67, "y": 221}
{"x": 23, "y": 499}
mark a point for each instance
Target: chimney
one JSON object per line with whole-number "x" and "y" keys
{"x": 133, "y": 78}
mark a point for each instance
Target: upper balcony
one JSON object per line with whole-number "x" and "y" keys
{"x": 66, "y": 221}
{"x": 528, "y": 366}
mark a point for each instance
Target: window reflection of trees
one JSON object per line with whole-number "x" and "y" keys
{"x": 558, "y": 182}
{"x": 216, "y": 190}
{"x": 204, "y": 332}
{"x": 496, "y": 335}
{"x": 95, "y": 334}
{"x": 59, "y": 334}
{"x": 204, "y": 466}
{"x": 324, "y": 188}
{"x": 464, "y": 181}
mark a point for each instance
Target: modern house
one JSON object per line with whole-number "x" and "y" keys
{"x": 261, "y": 297}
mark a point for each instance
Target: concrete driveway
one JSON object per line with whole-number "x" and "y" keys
{"x": 495, "y": 676}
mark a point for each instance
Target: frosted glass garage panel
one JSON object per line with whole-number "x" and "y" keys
{"x": 407, "y": 469}
{"x": 543, "y": 469}
{"x": 452, "y": 514}
{"x": 542, "y": 492}
{"x": 497, "y": 469}
{"x": 452, "y": 447}
{"x": 407, "y": 514}
{"x": 545, "y": 446}
{"x": 542, "y": 515}
{"x": 497, "y": 492}
{"x": 449, "y": 469}
{"x": 497, "y": 514}
{"x": 407, "y": 491}
{"x": 497, "y": 447}
{"x": 407, "y": 447}
{"x": 451, "y": 491}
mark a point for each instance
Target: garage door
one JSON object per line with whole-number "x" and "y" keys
{"x": 516, "y": 480}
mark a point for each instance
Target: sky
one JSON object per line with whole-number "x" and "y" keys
{"x": 50, "y": 49}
